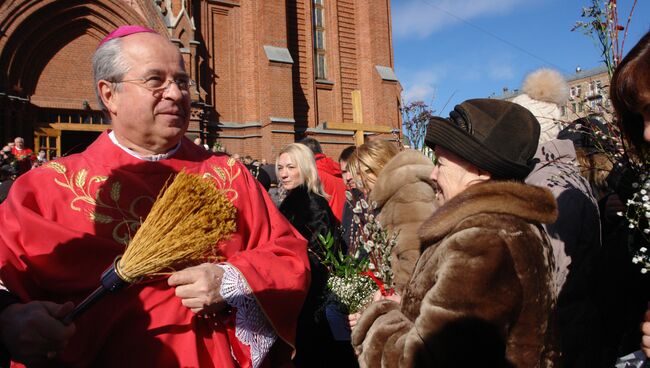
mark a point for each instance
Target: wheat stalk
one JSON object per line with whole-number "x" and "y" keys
{"x": 185, "y": 223}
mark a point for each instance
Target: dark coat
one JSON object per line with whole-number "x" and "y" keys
{"x": 485, "y": 258}
{"x": 311, "y": 215}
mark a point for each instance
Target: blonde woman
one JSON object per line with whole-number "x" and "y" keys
{"x": 306, "y": 207}
{"x": 365, "y": 164}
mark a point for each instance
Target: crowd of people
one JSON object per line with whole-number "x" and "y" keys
{"x": 507, "y": 252}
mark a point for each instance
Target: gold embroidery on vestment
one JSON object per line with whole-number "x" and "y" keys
{"x": 127, "y": 221}
{"x": 225, "y": 177}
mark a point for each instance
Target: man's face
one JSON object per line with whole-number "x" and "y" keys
{"x": 19, "y": 142}
{"x": 141, "y": 120}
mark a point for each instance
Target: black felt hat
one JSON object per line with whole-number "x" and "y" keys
{"x": 497, "y": 136}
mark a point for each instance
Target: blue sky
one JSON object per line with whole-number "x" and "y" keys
{"x": 443, "y": 60}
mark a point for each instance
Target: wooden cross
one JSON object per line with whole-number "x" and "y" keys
{"x": 357, "y": 126}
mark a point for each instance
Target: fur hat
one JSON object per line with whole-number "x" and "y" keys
{"x": 544, "y": 91}
{"x": 497, "y": 136}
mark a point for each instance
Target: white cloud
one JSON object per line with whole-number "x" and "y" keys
{"x": 420, "y": 84}
{"x": 420, "y": 18}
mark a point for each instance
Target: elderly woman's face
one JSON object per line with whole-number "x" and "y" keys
{"x": 452, "y": 175}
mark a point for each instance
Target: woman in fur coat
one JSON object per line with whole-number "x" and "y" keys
{"x": 306, "y": 207}
{"x": 405, "y": 198}
{"x": 399, "y": 183}
{"x": 481, "y": 292}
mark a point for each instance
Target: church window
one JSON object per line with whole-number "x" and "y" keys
{"x": 319, "y": 39}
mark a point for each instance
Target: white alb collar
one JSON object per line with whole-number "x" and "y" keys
{"x": 156, "y": 157}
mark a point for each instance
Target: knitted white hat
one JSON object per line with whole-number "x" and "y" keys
{"x": 544, "y": 90}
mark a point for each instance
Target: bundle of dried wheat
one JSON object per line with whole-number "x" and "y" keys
{"x": 185, "y": 223}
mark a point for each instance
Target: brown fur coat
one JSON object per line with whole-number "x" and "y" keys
{"x": 405, "y": 198}
{"x": 485, "y": 256}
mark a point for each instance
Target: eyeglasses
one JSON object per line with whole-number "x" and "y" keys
{"x": 158, "y": 85}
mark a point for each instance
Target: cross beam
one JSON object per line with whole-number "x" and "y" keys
{"x": 357, "y": 126}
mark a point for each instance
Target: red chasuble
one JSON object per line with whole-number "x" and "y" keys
{"x": 64, "y": 223}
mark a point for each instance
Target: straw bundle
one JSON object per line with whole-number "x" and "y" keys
{"x": 185, "y": 223}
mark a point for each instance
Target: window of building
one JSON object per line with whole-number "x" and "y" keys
{"x": 573, "y": 91}
{"x": 319, "y": 39}
{"x": 578, "y": 90}
{"x": 580, "y": 107}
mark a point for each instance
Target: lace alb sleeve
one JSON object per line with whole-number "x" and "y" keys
{"x": 251, "y": 326}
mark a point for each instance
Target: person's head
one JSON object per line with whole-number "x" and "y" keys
{"x": 248, "y": 160}
{"x": 482, "y": 139}
{"x": 296, "y": 166}
{"x": 366, "y": 163}
{"x": 630, "y": 95}
{"x": 344, "y": 157}
{"x": 142, "y": 85}
{"x": 19, "y": 143}
{"x": 544, "y": 91}
{"x": 312, "y": 144}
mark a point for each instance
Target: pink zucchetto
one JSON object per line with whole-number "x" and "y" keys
{"x": 123, "y": 31}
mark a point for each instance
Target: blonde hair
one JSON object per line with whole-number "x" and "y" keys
{"x": 304, "y": 159}
{"x": 370, "y": 157}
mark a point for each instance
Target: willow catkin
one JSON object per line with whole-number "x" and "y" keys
{"x": 184, "y": 225}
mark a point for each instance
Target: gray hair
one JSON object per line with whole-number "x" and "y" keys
{"x": 109, "y": 64}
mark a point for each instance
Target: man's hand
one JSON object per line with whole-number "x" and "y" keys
{"x": 198, "y": 287}
{"x": 33, "y": 332}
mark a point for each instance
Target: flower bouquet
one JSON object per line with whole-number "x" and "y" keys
{"x": 356, "y": 276}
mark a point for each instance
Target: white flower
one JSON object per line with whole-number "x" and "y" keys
{"x": 645, "y": 198}
{"x": 631, "y": 226}
{"x": 636, "y": 260}
{"x": 643, "y": 191}
{"x": 646, "y": 230}
{"x": 635, "y": 185}
{"x": 644, "y": 270}
{"x": 619, "y": 213}
{"x": 643, "y": 249}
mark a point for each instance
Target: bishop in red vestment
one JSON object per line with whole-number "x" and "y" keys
{"x": 65, "y": 222}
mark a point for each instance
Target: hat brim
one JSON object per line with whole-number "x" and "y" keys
{"x": 441, "y": 132}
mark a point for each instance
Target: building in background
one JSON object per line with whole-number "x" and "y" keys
{"x": 268, "y": 72}
{"x": 588, "y": 95}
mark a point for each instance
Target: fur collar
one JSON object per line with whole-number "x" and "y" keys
{"x": 533, "y": 204}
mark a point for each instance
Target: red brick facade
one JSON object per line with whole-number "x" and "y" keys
{"x": 253, "y": 60}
